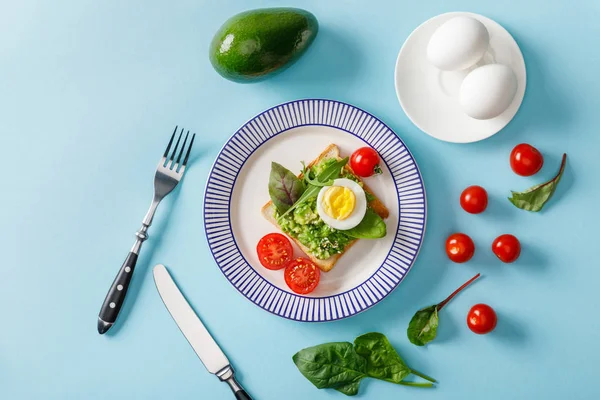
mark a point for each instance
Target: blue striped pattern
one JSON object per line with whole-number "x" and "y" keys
{"x": 411, "y": 200}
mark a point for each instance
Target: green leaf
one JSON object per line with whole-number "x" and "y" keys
{"x": 370, "y": 197}
{"x": 534, "y": 198}
{"x": 422, "y": 328}
{"x": 316, "y": 181}
{"x": 372, "y": 226}
{"x": 330, "y": 173}
{"x": 349, "y": 389}
{"x": 383, "y": 362}
{"x": 332, "y": 365}
{"x": 284, "y": 187}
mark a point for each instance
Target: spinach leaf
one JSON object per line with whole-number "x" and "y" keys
{"x": 383, "y": 362}
{"x": 422, "y": 327}
{"x": 331, "y": 172}
{"x": 284, "y": 187}
{"x": 332, "y": 365}
{"x": 341, "y": 366}
{"x": 534, "y": 198}
{"x": 372, "y": 226}
{"x": 349, "y": 389}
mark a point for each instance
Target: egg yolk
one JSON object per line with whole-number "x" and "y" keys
{"x": 338, "y": 202}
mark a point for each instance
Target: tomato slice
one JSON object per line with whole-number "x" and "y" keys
{"x": 302, "y": 275}
{"x": 274, "y": 251}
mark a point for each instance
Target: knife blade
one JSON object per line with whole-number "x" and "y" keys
{"x": 195, "y": 332}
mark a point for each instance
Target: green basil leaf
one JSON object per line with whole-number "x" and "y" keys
{"x": 284, "y": 187}
{"x": 372, "y": 226}
{"x": 534, "y": 199}
{"x": 332, "y": 365}
{"x": 422, "y": 328}
{"x": 383, "y": 362}
{"x": 330, "y": 173}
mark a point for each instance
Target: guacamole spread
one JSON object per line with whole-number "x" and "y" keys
{"x": 305, "y": 224}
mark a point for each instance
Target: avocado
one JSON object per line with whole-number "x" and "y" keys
{"x": 254, "y": 44}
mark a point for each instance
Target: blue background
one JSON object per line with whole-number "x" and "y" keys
{"x": 89, "y": 92}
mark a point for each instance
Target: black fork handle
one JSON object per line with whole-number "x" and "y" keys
{"x": 242, "y": 395}
{"x": 116, "y": 294}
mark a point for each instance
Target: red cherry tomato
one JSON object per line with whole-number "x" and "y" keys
{"x": 474, "y": 199}
{"x": 481, "y": 319}
{"x": 526, "y": 160}
{"x": 459, "y": 247}
{"x": 274, "y": 251}
{"x": 365, "y": 162}
{"x": 302, "y": 275}
{"x": 507, "y": 248}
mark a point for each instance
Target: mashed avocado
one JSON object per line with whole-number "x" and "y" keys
{"x": 305, "y": 224}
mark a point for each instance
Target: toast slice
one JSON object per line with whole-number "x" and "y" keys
{"x": 268, "y": 211}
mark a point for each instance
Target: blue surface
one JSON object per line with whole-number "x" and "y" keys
{"x": 88, "y": 93}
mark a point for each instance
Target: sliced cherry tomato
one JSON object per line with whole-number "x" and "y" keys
{"x": 459, "y": 247}
{"x": 526, "y": 160}
{"x": 474, "y": 199}
{"x": 482, "y": 319}
{"x": 507, "y": 248}
{"x": 302, "y": 275}
{"x": 365, "y": 162}
{"x": 274, "y": 251}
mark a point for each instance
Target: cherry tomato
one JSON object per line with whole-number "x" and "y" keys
{"x": 481, "y": 319}
{"x": 274, "y": 251}
{"x": 507, "y": 248}
{"x": 526, "y": 160}
{"x": 365, "y": 162}
{"x": 474, "y": 199}
{"x": 459, "y": 247}
{"x": 302, "y": 275}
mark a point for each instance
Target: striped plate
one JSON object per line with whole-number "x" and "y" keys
{"x": 237, "y": 189}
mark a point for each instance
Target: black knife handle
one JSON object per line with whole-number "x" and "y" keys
{"x": 116, "y": 294}
{"x": 242, "y": 395}
{"x": 227, "y": 375}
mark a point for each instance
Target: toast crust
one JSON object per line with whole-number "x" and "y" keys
{"x": 268, "y": 211}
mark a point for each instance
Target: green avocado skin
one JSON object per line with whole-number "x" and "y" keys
{"x": 254, "y": 44}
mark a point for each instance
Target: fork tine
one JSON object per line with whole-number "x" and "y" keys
{"x": 175, "y": 148}
{"x": 170, "y": 143}
{"x": 182, "y": 148}
{"x": 187, "y": 155}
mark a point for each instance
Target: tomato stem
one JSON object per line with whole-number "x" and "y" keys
{"x": 457, "y": 291}
{"x": 378, "y": 170}
{"x": 417, "y": 384}
{"x": 422, "y": 375}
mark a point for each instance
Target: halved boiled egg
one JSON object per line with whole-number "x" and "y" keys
{"x": 343, "y": 205}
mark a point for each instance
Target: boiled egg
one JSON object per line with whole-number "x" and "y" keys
{"x": 458, "y": 43}
{"x": 343, "y": 205}
{"x": 487, "y": 91}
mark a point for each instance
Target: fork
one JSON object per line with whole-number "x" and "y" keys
{"x": 168, "y": 174}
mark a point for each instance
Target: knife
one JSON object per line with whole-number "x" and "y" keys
{"x": 198, "y": 337}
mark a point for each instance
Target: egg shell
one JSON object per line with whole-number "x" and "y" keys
{"x": 458, "y": 43}
{"x": 488, "y": 91}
